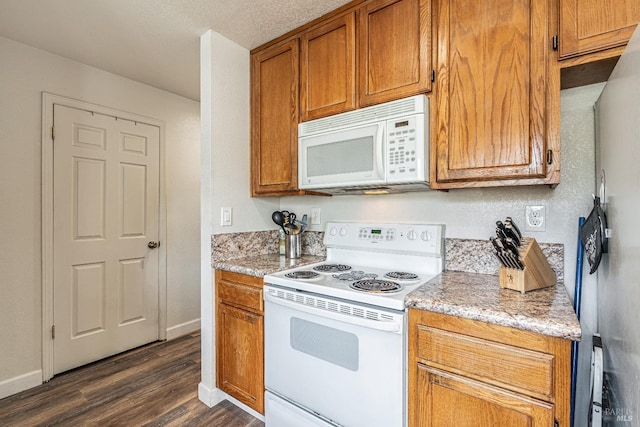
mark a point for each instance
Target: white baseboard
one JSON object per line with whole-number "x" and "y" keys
{"x": 210, "y": 397}
{"x": 183, "y": 329}
{"x": 32, "y": 379}
{"x": 20, "y": 383}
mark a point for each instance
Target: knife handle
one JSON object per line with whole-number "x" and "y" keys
{"x": 515, "y": 260}
{"x": 500, "y": 257}
{"x": 510, "y": 245}
{"x": 512, "y": 234}
{"x": 495, "y": 243}
{"x": 514, "y": 226}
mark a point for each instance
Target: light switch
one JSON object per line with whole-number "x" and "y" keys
{"x": 316, "y": 218}
{"x": 226, "y": 217}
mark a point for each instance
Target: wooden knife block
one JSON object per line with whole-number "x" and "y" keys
{"x": 537, "y": 272}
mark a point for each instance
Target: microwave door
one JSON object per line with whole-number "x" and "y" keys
{"x": 349, "y": 157}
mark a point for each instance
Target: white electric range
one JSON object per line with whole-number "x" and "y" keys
{"x": 335, "y": 331}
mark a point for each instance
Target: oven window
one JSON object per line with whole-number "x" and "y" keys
{"x": 329, "y": 344}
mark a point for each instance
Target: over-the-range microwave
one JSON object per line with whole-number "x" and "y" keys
{"x": 379, "y": 149}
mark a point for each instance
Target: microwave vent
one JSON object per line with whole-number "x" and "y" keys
{"x": 388, "y": 110}
{"x": 376, "y": 189}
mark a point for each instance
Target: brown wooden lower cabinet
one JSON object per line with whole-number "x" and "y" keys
{"x": 240, "y": 338}
{"x": 468, "y": 373}
{"x": 447, "y": 399}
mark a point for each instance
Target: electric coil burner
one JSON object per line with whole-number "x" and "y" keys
{"x": 331, "y": 268}
{"x": 401, "y": 275}
{"x": 390, "y": 261}
{"x": 376, "y": 286}
{"x": 302, "y": 275}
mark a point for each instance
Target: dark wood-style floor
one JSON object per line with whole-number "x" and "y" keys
{"x": 154, "y": 385}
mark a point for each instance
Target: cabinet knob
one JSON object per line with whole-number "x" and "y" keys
{"x": 153, "y": 245}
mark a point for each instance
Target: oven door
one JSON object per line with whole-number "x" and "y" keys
{"x": 338, "y": 359}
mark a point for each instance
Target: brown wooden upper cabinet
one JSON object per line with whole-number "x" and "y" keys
{"x": 363, "y": 54}
{"x": 394, "y": 50}
{"x": 328, "y": 68}
{"x": 489, "y": 124}
{"x": 377, "y": 53}
{"x": 274, "y": 120}
{"x": 593, "y": 25}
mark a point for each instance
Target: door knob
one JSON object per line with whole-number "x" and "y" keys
{"x": 153, "y": 245}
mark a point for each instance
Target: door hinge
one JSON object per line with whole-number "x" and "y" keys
{"x": 433, "y": 75}
{"x": 554, "y": 42}
{"x": 549, "y": 157}
{"x": 53, "y": 332}
{"x": 53, "y": 133}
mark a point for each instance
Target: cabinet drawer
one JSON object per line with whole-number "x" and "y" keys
{"x": 240, "y": 295}
{"x": 512, "y": 368}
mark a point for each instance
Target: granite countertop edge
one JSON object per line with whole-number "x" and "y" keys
{"x": 261, "y": 265}
{"x": 479, "y": 297}
{"x": 473, "y": 296}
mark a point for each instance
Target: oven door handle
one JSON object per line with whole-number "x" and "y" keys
{"x": 387, "y": 326}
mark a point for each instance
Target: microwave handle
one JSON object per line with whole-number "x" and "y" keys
{"x": 380, "y": 149}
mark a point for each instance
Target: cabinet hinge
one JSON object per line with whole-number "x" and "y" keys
{"x": 554, "y": 42}
{"x": 53, "y": 332}
{"x": 549, "y": 157}
{"x": 53, "y": 133}
{"x": 433, "y": 75}
{"x": 556, "y": 423}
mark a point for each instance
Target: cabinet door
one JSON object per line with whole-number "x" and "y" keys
{"x": 327, "y": 79}
{"x": 240, "y": 354}
{"x": 491, "y": 84}
{"x": 593, "y": 25}
{"x": 274, "y": 120}
{"x": 445, "y": 399}
{"x": 394, "y": 50}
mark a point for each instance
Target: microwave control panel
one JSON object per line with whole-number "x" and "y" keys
{"x": 405, "y": 157}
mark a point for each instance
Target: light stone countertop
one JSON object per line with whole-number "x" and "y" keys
{"x": 475, "y": 296}
{"x": 469, "y": 288}
{"x": 261, "y": 265}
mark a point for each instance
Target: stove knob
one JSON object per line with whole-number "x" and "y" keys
{"x": 412, "y": 235}
{"x": 333, "y": 231}
{"x": 343, "y": 231}
{"x": 426, "y": 236}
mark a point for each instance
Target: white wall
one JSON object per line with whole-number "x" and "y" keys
{"x": 25, "y": 73}
{"x": 225, "y": 173}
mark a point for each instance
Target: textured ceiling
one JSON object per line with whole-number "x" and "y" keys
{"x": 151, "y": 41}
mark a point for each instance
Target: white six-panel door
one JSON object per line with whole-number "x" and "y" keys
{"x": 106, "y": 212}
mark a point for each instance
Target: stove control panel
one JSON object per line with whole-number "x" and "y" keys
{"x": 368, "y": 233}
{"x": 425, "y": 239}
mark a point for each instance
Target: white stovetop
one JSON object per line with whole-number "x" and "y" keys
{"x": 373, "y": 249}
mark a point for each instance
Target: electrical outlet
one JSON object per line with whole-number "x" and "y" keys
{"x": 535, "y": 218}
